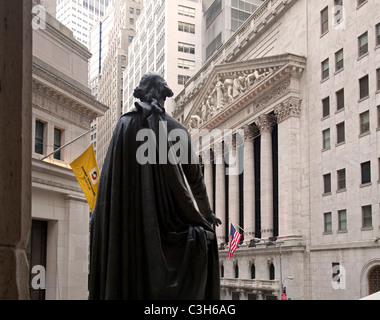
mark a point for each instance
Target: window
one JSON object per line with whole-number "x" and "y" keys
{"x": 336, "y": 272}
{"x": 340, "y": 130}
{"x": 364, "y": 87}
{"x": 367, "y": 216}
{"x": 326, "y": 107}
{"x": 186, "y": 64}
{"x": 324, "y": 20}
{"x": 236, "y": 271}
{"x": 186, "y": 11}
{"x": 253, "y": 272}
{"x": 366, "y": 172}
{"x": 364, "y": 122}
{"x": 342, "y": 220}
{"x": 57, "y": 143}
{"x": 271, "y": 272}
{"x": 182, "y": 79}
{"x": 186, "y": 27}
{"x": 328, "y": 222}
{"x": 378, "y": 116}
{"x": 378, "y": 34}
{"x": 325, "y": 69}
{"x": 39, "y": 137}
{"x": 341, "y": 179}
{"x": 360, "y": 2}
{"x": 131, "y": 10}
{"x": 131, "y": 21}
{"x": 327, "y": 183}
{"x": 363, "y": 44}
{"x": 339, "y": 60}
{"x": 340, "y": 100}
{"x": 378, "y": 79}
{"x": 326, "y": 138}
{"x": 186, "y": 48}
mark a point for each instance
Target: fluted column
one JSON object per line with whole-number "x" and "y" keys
{"x": 249, "y": 181}
{"x": 265, "y": 124}
{"x": 288, "y": 116}
{"x": 220, "y": 191}
{"x": 233, "y": 183}
{"x": 208, "y": 176}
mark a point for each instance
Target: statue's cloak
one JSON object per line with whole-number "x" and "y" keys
{"x": 148, "y": 239}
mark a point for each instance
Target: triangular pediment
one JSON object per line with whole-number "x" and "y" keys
{"x": 231, "y": 86}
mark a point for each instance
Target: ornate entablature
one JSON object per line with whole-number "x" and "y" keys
{"x": 247, "y": 88}
{"x": 67, "y": 101}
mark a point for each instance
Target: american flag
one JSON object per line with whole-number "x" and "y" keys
{"x": 234, "y": 241}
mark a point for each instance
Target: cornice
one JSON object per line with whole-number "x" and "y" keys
{"x": 46, "y": 83}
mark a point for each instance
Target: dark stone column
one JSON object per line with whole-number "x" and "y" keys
{"x": 15, "y": 146}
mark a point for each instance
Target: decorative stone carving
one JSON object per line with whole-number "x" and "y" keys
{"x": 287, "y": 109}
{"x": 265, "y": 123}
{"x": 250, "y": 132}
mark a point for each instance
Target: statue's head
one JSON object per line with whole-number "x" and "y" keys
{"x": 152, "y": 86}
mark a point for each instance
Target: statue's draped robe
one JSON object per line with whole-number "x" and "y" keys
{"x": 148, "y": 239}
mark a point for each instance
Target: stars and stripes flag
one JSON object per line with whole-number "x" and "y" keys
{"x": 234, "y": 241}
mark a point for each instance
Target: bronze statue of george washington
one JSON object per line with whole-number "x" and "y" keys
{"x": 148, "y": 238}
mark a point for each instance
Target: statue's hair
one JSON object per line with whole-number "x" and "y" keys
{"x": 152, "y": 86}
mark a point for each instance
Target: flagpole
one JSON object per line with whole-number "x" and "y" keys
{"x": 234, "y": 224}
{"x": 64, "y": 146}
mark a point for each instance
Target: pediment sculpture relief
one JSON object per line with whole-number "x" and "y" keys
{"x": 224, "y": 92}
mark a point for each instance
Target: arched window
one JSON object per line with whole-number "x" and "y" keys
{"x": 374, "y": 280}
{"x": 253, "y": 272}
{"x": 271, "y": 272}
{"x": 236, "y": 271}
{"x": 222, "y": 271}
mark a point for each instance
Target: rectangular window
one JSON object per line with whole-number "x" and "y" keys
{"x": 336, "y": 272}
{"x": 326, "y": 138}
{"x": 378, "y": 116}
{"x": 39, "y": 138}
{"x": 341, "y": 177}
{"x": 328, "y": 221}
{"x": 360, "y": 2}
{"x": 326, "y": 107}
{"x": 378, "y": 79}
{"x": 327, "y": 183}
{"x": 340, "y": 130}
{"x": 324, "y": 20}
{"x": 339, "y": 60}
{"x": 340, "y": 100}
{"x": 186, "y": 27}
{"x": 186, "y": 64}
{"x": 186, "y": 11}
{"x": 366, "y": 172}
{"x": 342, "y": 220}
{"x": 364, "y": 87}
{"x": 378, "y": 34}
{"x": 57, "y": 143}
{"x": 186, "y": 47}
{"x": 325, "y": 69}
{"x": 182, "y": 79}
{"x": 364, "y": 122}
{"x": 363, "y": 44}
{"x": 367, "y": 216}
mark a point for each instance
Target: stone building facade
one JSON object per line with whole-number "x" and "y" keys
{"x": 298, "y": 87}
{"x": 62, "y": 110}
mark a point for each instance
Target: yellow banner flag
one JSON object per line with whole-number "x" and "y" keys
{"x": 86, "y": 171}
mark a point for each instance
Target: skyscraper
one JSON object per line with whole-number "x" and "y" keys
{"x": 110, "y": 39}
{"x": 81, "y": 15}
{"x": 168, "y": 42}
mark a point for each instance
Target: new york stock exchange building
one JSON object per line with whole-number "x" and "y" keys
{"x": 298, "y": 88}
